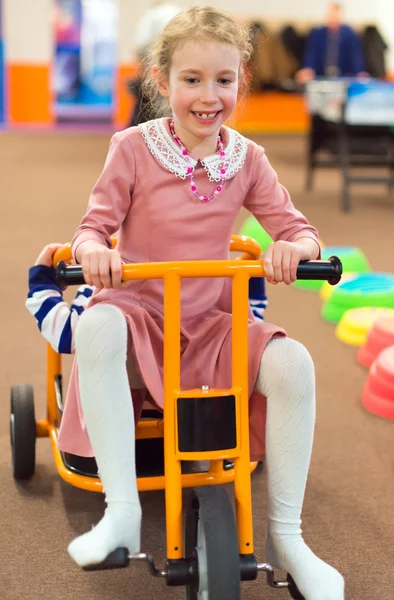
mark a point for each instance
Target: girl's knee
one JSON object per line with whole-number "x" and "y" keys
{"x": 101, "y": 330}
{"x": 285, "y": 362}
{"x": 300, "y": 356}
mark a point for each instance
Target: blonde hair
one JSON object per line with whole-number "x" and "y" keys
{"x": 198, "y": 24}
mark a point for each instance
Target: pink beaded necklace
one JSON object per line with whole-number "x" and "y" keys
{"x": 190, "y": 169}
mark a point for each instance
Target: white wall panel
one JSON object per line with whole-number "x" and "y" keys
{"x": 28, "y": 30}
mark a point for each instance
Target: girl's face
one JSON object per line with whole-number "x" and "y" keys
{"x": 202, "y": 89}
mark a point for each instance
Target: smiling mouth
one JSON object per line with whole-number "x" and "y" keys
{"x": 207, "y": 116}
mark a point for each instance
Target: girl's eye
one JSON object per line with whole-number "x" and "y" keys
{"x": 224, "y": 81}
{"x": 191, "y": 80}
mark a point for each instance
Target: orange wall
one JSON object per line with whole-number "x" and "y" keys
{"x": 29, "y": 94}
{"x": 30, "y": 101}
{"x": 271, "y": 112}
{"x": 123, "y": 98}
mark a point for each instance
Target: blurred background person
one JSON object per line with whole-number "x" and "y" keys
{"x": 333, "y": 50}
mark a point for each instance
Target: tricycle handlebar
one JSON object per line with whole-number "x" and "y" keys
{"x": 330, "y": 270}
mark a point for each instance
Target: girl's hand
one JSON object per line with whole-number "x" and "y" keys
{"x": 281, "y": 260}
{"x": 101, "y": 266}
{"x": 46, "y": 255}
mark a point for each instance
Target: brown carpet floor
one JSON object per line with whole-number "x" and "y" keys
{"x": 349, "y": 507}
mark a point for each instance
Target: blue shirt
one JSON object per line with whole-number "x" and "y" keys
{"x": 56, "y": 319}
{"x": 348, "y": 53}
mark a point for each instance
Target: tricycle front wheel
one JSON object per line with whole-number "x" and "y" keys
{"x": 211, "y": 539}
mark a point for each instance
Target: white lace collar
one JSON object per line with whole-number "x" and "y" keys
{"x": 167, "y": 152}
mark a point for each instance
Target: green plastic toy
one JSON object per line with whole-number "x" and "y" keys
{"x": 367, "y": 289}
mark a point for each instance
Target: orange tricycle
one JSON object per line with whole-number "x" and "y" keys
{"x": 211, "y": 552}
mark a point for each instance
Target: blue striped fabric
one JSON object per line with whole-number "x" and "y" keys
{"x": 46, "y": 306}
{"x": 55, "y": 318}
{"x": 65, "y": 341}
{"x": 257, "y": 297}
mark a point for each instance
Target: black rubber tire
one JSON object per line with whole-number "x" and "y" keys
{"x": 293, "y": 589}
{"x": 211, "y": 507}
{"x": 23, "y": 431}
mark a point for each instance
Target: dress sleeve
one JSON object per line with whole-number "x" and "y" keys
{"x": 110, "y": 199}
{"x": 270, "y": 203}
{"x": 55, "y": 318}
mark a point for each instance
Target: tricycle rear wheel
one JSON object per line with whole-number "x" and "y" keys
{"x": 23, "y": 431}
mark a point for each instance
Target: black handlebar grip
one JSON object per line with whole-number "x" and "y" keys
{"x": 330, "y": 270}
{"x": 68, "y": 275}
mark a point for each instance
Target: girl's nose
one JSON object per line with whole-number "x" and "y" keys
{"x": 209, "y": 94}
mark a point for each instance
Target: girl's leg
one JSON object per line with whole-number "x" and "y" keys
{"x": 287, "y": 379}
{"x": 101, "y": 345}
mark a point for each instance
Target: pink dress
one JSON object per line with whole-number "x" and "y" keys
{"x": 143, "y": 193}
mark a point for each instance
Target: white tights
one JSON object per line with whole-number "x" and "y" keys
{"x": 101, "y": 345}
{"x": 286, "y": 377}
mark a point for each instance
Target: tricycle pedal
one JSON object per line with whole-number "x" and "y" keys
{"x": 118, "y": 559}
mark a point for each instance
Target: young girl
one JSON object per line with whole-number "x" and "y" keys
{"x": 173, "y": 187}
